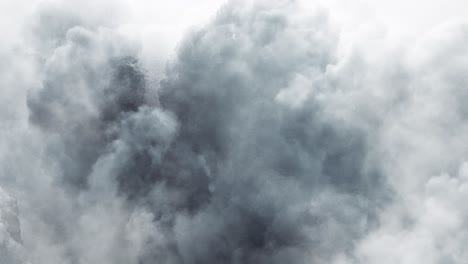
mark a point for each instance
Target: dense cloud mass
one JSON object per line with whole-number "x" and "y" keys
{"x": 273, "y": 136}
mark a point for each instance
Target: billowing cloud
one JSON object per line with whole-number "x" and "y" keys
{"x": 271, "y": 136}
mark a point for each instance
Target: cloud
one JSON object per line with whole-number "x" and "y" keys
{"x": 259, "y": 172}
{"x": 219, "y": 147}
{"x": 11, "y": 244}
{"x": 272, "y": 136}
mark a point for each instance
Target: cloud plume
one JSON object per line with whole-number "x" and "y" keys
{"x": 273, "y": 135}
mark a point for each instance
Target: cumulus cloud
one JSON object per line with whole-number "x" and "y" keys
{"x": 272, "y": 136}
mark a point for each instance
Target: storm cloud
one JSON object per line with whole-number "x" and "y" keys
{"x": 273, "y": 135}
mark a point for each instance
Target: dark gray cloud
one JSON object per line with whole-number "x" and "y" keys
{"x": 90, "y": 84}
{"x": 246, "y": 177}
{"x": 268, "y": 165}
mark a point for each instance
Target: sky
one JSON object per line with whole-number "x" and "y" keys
{"x": 233, "y": 132}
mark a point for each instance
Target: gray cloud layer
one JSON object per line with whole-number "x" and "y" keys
{"x": 268, "y": 140}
